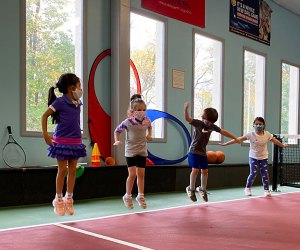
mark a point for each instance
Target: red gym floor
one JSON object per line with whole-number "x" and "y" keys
{"x": 251, "y": 223}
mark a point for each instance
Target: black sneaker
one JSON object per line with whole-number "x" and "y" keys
{"x": 191, "y": 194}
{"x": 202, "y": 193}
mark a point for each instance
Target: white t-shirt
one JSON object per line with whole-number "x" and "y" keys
{"x": 135, "y": 143}
{"x": 259, "y": 145}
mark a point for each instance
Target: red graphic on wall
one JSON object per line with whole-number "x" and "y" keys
{"x": 188, "y": 11}
{"x": 99, "y": 121}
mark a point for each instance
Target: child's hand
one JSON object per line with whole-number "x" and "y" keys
{"x": 186, "y": 105}
{"x": 149, "y": 138}
{"x": 285, "y": 145}
{"x": 117, "y": 143}
{"x": 222, "y": 144}
{"x": 48, "y": 140}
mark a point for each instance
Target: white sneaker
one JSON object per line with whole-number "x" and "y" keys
{"x": 141, "y": 201}
{"x": 191, "y": 193}
{"x": 128, "y": 201}
{"x": 202, "y": 193}
{"x": 248, "y": 191}
{"x": 267, "y": 193}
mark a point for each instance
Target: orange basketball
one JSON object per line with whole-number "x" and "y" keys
{"x": 109, "y": 161}
{"x": 211, "y": 157}
{"x": 220, "y": 157}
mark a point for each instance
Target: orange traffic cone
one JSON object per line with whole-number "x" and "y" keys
{"x": 96, "y": 156}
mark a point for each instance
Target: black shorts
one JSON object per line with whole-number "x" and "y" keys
{"x": 136, "y": 161}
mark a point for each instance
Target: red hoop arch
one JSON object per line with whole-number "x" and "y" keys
{"x": 99, "y": 122}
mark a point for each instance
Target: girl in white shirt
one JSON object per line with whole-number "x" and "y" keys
{"x": 138, "y": 132}
{"x": 258, "y": 153}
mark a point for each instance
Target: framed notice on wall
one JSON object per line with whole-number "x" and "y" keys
{"x": 188, "y": 11}
{"x": 178, "y": 79}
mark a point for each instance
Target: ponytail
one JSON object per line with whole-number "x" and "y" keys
{"x": 51, "y": 98}
{"x": 136, "y": 98}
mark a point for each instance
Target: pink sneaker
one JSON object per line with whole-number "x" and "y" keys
{"x": 69, "y": 206}
{"x": 59, "y": 207}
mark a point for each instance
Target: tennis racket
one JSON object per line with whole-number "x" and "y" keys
{"x": 13, "y": 154}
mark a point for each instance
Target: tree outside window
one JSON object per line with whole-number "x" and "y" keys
{"x": 147, "y": 52}
{"x": 254, "y": 88}
{"x": 208, "y": 77}
{"x": 289, "y": 98}
{"x": 53, "y": 47}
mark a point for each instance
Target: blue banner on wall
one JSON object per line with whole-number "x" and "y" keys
{"x": 251, "y": 18}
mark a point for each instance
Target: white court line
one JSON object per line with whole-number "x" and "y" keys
{"x": 100, "y": 236}
{"x": 148, "y": 211}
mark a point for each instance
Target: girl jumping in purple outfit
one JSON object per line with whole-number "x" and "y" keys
{"x": 66, "y": 144}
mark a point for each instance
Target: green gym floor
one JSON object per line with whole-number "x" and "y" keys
{"x": 23, "y": 216}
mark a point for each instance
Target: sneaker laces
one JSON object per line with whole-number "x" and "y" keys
{"x": 128, "y": 201}
{"x": 142, "y": 201}
{"x": 68, "y": 203}
{"x": 189, "y": 191}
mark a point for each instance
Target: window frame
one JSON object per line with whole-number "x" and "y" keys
{"x": 222, "y": 77}
{"x": 23, "y": 86}
{"x": 165, "y": 68}
{"x": 247, "y": 143}
{"x": 281, "y": 86}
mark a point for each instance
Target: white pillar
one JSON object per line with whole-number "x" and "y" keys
{"x": 120, "y": 69}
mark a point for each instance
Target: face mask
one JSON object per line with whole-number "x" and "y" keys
{"x": 259, "y": 127}
{"x": 77, "y": 94}
{"x": 139, "y": 115}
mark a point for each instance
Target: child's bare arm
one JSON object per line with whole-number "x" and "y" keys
{"x": 240, "y": 139}
{"x": 47, "y": 137}
{"x": 277, "y": 142}
{"x": 230, "y": 135}
{"x": 149, "y": 134}
{"x": 117, "y": 139}
{"x": 187, "y": 116}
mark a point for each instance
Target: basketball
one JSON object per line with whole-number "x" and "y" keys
{"x": 211, "y": 157}
{"x": 220, "y": 157}
{"x": 109, "y": 161}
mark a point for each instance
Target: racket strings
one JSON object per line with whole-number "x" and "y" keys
{"x": 14, "y": 155}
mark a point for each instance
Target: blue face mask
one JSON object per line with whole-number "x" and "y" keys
{"x": 258, "y": 127}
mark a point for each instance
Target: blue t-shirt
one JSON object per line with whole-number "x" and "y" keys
{"x": 68, "y": 125}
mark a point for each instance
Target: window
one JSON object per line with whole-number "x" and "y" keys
{"x": 254, "y": 88}
{"x": 289, "y": 98}
{"x": 147, "y": 52}
{"x": 208, "y": 76}
{"x": 53, "y": 46}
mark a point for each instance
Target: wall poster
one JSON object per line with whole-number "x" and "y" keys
{"x": 251, "y": 18}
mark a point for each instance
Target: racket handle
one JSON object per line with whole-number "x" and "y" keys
{"x": 9, "y": 129}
